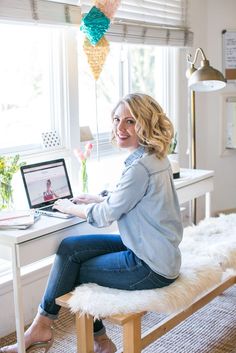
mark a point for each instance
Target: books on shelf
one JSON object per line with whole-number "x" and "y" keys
{"x": 18, "y": 219}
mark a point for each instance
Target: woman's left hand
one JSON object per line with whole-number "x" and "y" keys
{"x": 64, "y": 205}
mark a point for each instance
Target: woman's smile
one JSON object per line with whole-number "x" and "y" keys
{"x": 124, "y": 128}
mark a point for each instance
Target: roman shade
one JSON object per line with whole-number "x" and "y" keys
{"x": 156, "y": 22}
{"x": 40, "y": 11}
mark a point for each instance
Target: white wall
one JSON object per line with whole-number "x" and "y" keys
{"x": 207, "y": 20}
{"x": 33, "y": 287}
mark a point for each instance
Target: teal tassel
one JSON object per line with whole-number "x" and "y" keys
{"x": 94, "y": 25}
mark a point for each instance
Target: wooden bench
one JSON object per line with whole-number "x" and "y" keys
{"x": 133, "y": 341}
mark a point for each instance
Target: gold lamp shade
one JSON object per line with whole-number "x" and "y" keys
{"x": 205, "y": 78}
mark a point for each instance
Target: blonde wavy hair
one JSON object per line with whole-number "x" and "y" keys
{"x": 153, "y": 128}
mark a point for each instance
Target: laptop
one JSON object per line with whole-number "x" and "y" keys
{"x": 44, "y": 183}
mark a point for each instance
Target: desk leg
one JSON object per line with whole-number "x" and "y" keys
{"x": 18, "y": 302}
{"x": 208, "y": 205}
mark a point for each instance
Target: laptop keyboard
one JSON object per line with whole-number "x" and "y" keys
{"x": 49, "y": 208}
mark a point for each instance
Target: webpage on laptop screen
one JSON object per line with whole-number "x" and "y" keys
{"x": 46, "y": 183}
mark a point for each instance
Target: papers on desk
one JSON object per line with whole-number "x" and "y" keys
{"x": 18, "y": 219}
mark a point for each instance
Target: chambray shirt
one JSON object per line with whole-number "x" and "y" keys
{"x": 145, "y": 206}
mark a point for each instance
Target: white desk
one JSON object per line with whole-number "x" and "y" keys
{"x": 24, "y": 247}
{"x": 194, "y": 183}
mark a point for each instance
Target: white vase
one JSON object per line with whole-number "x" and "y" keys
{"x": 174, "y": 162}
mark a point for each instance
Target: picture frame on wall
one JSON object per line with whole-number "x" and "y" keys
{"x": 229, "y": 54}
{"x": 228, "y": 124}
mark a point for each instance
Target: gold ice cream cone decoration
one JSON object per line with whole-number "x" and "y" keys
{"x": 96, "y": 55}
{"x": 94, "y": 25}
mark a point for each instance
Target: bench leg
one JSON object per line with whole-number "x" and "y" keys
{"x": 132, "y": 335}
{"x": 84, "y": 328}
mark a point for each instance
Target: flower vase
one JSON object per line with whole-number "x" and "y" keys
{"x": 6, "y": 195}
{"x": 84, "y": 176}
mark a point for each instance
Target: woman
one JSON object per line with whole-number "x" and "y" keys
{"x": 144, "y": 203}
{"x": 49, "y": 194}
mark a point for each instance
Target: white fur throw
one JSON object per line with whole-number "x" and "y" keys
{"x": 208, "y": 254}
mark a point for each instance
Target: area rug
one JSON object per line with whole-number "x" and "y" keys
{"x": 210, "y": 330}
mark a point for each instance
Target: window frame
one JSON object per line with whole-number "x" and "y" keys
{"x": 65, "y": 93}
{"x": 65, "y": 116}
{"x": 168, "y": 77}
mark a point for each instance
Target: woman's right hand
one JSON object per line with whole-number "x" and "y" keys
{"x": 87, "y": 199}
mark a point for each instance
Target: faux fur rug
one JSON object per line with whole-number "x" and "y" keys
{"x": 208, "y": 256}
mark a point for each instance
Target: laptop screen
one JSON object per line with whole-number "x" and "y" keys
{"x": 46, "y": 182}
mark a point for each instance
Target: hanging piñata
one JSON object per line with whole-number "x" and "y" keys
{"x": 94, "y": 25}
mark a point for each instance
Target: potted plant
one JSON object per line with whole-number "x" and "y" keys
{"x": 9, "y": 165}
{"x": 174, "y": 158}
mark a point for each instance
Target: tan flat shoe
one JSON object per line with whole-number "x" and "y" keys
{"x": 104, "y": 345}
{"x": 45, "y": 345}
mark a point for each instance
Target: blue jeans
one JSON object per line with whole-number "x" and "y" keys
{"x": 101, "y": 259}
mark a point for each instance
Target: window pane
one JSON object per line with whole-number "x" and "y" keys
{"x": 128, "y": 68}
{"x": 25, "y": 90}
{"x": 147, "y": 70}
{"x": 104, "y": 92}
{"x": 142, "y": 67}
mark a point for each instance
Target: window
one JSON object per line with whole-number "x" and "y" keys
{"x": 128, "y": 68}
{"x": 39, "y": 89}
{"x": 31, "y": 86}
{"x": 50, "y": 87}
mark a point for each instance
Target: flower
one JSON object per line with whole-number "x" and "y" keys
{"x": 82, "y": 157}
{"x": 9, "y": 165}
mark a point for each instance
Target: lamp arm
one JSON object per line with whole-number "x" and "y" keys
{"x": 195, "y": 56}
